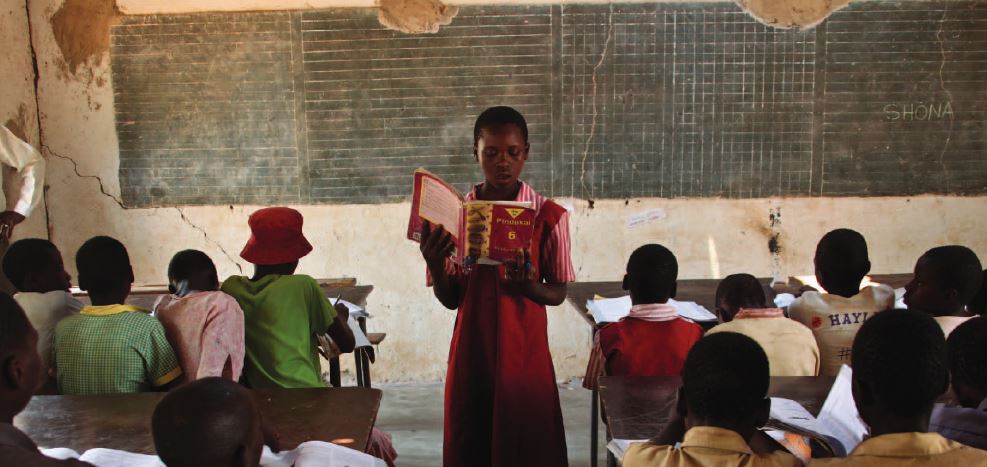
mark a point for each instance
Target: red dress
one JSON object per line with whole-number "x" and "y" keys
{"x": 501, "y": 402}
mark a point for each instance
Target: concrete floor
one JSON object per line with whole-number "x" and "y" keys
{"x": 412, "y": 414}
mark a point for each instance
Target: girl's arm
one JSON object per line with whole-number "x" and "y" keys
{"x": 436, "y": 246}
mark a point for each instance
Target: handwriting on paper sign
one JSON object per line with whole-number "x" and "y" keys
{"x": 646, "y": 217}
{"x": 918, "y": 112}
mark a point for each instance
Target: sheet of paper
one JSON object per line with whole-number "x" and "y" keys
{"x": 102, "y": 457}
{"x": 59, "y": 453}
{"x": 439, "y": 205}
{"x": 619, "y": 446}
{"x": 792, "y": 413}
{"x": 692, "y": 310}
{"x": 611, "y": 310}
{"x": 322, "y": 454}
{"x": 899, "y": 298}
{"x": 356, "y": 311}
{"x": 783, "y": 300}
{"x": 839, "y": 417}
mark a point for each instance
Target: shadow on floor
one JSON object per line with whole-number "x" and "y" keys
{"x": 412, "y": 414}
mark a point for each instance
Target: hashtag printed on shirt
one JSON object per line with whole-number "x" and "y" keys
{"x": 112, "y": 349}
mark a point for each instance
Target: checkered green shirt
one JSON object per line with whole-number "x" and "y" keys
{"x": 112, "y": 349}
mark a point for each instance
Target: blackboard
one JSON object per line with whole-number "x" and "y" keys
{"x": 623, "y": 100}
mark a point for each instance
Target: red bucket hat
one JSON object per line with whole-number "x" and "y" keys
{"x": 275, "y": 237}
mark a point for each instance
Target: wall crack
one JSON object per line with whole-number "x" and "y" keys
{"x": 209, "y": 239}
{"x": 947, "y": 92}
{"x": 75, "y": 168}
{"x": 592, "y": 127}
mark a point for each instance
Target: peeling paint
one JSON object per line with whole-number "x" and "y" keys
{"x": 18, "y": 123}
{"x": 82, "y": 32}
{"x": 415, "y": 16}
{"x": 788, "y": 14}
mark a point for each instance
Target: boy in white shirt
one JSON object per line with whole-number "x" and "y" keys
{"x": 835, "y": 315}
{"x": 34, "y": 266}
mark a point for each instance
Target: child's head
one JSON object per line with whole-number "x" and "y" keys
{"x": 725, "y": 383}
{"x": 104, "y": 268}
{"x": 978, "y": 304}
{"x": 945, "y": 279}
{"x": 842, "y": 262}
{"x": 738, "y": 291}
{"x": 276, "y": 239}
{"x": 899, "y": 368}
{"x": 211, "y": 421}
{"x": 191, "y": 270}
{"x": 20, "y": 363}
{"x": 966, "y": 350}
{"x": 500, "y": 144}
{"x": 651, "y": 274}
{"x": 35, "y": 265}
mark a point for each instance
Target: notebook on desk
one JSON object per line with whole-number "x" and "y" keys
{"x": 611, "y": 310}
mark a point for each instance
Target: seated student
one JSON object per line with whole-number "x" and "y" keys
{"x": 835, "y": 316}
{"x": 966, "y": 352}
{"x": 20, "y": 367}
{"x": 212, "y": 421}
{"x": 204, "y": 325}
{"x": 652, "y": 340}
{"x": 110, "y": 347}
{"x": 284, "y": 311}
{"x": 899, "y": 370}
{"x": 978, "y": 304}
{"x": 34, "y": 266}
{"x": 742, "y": 308}
{"x": 946, "y": 278}
{"x": 722, "y": 402}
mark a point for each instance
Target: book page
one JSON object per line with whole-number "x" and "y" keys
{"x": 439, "y": 205}
{"x": 59, "y": 453}
{"x": 692, "y": 310}
{"x": 102, "y": 457}
{"x": 619, "y": 446}
{"x": 609, "y": 310}
{"x": 839, "y": 417}
{"x": 322, "y": 454}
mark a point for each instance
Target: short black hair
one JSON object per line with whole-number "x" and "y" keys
{"x": 24, "y": 257}
{"x": 900, "y": 356}
{"x": 498, "y": 116}
{"x": 203, "y": 422}
{"x": 741, "y": 291}
{"x": 841, "y": 257}
{"x": 14, "y": 326}
{"x": 956, "y": 266}
{"x": 185, "y": 263}
{"x": 978, "y": 304}
{"x": 652, "y": 270}
{"x": 967, "y": 353}
{"x": 103, "y": 265}
{"x": 726, "y": 377}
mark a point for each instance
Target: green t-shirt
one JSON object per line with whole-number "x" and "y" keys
{"x": 282, "y": 315}
{"x": 112, "y": 349}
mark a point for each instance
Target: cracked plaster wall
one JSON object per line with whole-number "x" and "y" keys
{"x": 712, "y": 237}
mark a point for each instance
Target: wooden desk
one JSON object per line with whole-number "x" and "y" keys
{"x": 638, "y": 407}
{"x": 123, "y": 421}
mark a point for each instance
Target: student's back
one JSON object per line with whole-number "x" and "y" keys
{"x": 110, "y": 347}
{"x": 652, "y": 340}
{"x": 899, "y": 370}
{"x": 282, "y": 315}
{"x": 790, "y": 346}
{"x": 841, "y": 263}
{"x": 967, "y": 356}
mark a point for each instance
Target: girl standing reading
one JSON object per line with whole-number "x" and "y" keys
{"x": 502, "y": 403}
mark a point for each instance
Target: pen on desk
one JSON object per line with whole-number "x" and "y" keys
{"x": 338, "y": 298}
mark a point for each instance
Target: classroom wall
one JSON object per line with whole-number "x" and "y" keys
{"x": 712, "y": 237}
{"x": 18, "y": 108}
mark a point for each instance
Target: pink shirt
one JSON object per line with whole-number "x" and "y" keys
{"x": 206, "y": 331}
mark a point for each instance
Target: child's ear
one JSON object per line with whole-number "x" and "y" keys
{"x": 13, "y": 372}
{"x": 130, "y": 274}
{"x": 626, "y": 285}
{"x": 763, "y": 413}
{"x": 681, "y": 404}
{"x": 675, "y": 289}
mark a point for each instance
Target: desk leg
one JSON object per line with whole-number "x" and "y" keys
{"x": 594, "y": 426}
{"x": 358, "y": 359}
{"x": 334, "y": 377}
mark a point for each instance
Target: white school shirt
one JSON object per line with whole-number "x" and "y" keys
{"x": 24, "y": 176}
{"x": 44, "y": 311}
{"x": 834, "y": 320}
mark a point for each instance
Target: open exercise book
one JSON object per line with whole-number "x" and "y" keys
{"x": 485, "y": 232}
{"x": 611, "y": 310}
{"x": 307, "y": 454}
{"x": 838, "y": 428}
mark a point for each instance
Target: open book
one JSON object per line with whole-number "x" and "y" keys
{"x": 838, "y": 428}
{"x": 611, "y": 310}
{"x": 307, "y": 454}
{"x": 485, "y": 232}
